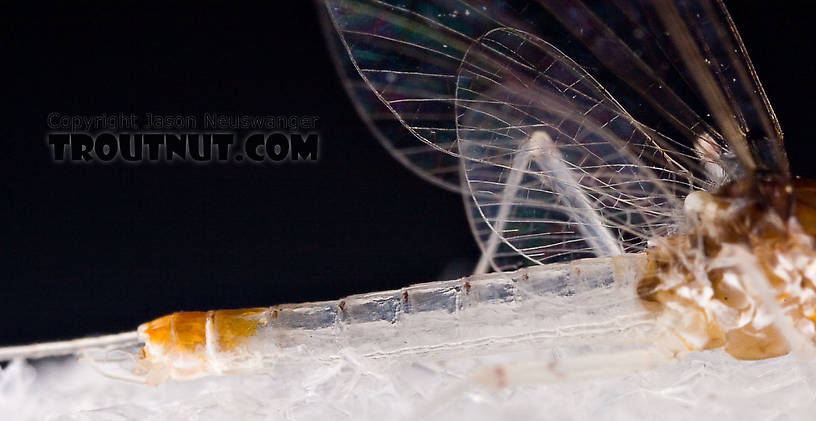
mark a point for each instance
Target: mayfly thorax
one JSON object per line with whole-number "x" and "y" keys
{"x": 706, "y": 281}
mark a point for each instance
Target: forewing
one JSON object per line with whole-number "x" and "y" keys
{"x": 715, "y": 63}
{"x": 407, "y": 53}
{"x": 427, "y": 161}
{"x": 403, "y": 60}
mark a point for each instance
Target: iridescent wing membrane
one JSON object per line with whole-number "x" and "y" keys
{"x": 439, "y": 168}
{"x": 576, "y": 128}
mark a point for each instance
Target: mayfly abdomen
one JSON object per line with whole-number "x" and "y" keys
{"x": 573, "y": 304}
{"x": 735, "y": 281}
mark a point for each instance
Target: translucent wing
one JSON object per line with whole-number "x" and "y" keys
{"x": 555, "y": 165}
{"x": 403, "y": 63}
{"x": 709, "y": 54}
{"x": 426, "y": 161}
{"x": 632, "y": 150}
{"x": 407, "y": 53}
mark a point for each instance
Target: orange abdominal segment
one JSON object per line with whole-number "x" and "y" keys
{"x": 234, "y": 326}
{"x": 190, "y": 333}
{"x": 179, "y": 332}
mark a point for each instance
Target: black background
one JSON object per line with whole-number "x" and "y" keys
{"x": 101, "y": 248}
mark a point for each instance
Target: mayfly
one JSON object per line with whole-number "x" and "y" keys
{"x": 622, "y": 222}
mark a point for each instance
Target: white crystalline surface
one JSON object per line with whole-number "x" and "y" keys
{"x": 703, "y": 386}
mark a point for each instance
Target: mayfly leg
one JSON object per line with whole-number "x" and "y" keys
{"x": 554, "y": 173}
{"x": 520, "y": 162}
{"x": 546, "y": 154}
